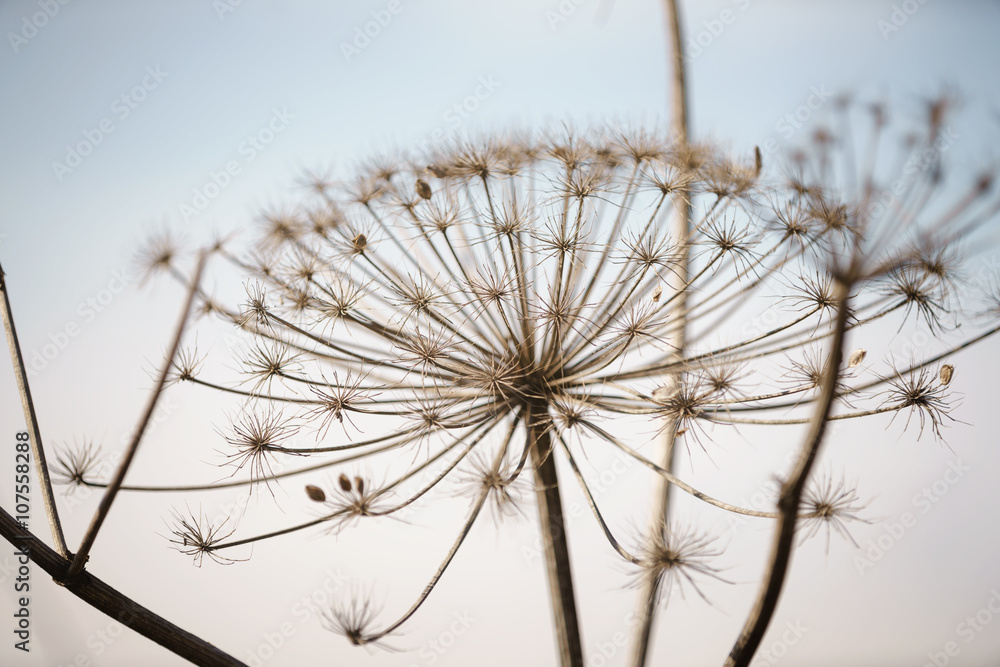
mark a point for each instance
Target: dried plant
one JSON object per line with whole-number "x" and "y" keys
{"x": 478, "y": 319}
{"x": 481, "y": 312}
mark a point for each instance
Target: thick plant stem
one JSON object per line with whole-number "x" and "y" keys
{"x": 116, "y": 605}
{"x": 678, "y": 81}
{"x": 649, "y": 591}
{"x": 791, "y": 496}
{"x": 31, "y": 420}
{"x": 555, "y": 544}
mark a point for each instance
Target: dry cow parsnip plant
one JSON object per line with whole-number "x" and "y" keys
{"x": 492, "y": 311}
{"x": 516, "y": 299}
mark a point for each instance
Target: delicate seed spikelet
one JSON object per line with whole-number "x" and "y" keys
{"x": 423, "y": 189}
{"x": 758, "y": 161}
{"x": 437, "y": 171}
{"x": 360, "y": 484}
{"x": 196, "y": 536}
{"x": 345, "y": 483}
{"x": 359, "y": 243}
{"x": 75, "y": 466}
{"x": 315, "y": 493}
{"x": 947, "y": 371}
{"x": 857, "y": 357}
{"x": 828, "y": 505}
{"x": 657, "y": 293}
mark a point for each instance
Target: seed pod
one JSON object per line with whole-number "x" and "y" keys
{"x": 423, "y": 189}
{"x": 657, "y": 293}
{"x": 345, "y": 483}
{"x": 315, "y": 493}
{"x": 360, "y": 485}
{"x": 946, "y": 372}
{"x": 436, "y": 170}
{"x": 857, "y": 357}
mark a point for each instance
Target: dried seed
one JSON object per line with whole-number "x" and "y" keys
{"x": 360, "y": 485}
{"x": 423, "y": 189}
{"x": 946, "y": 372}
{"x": 857, "y": 357}
{"x": 315, "y": 493}
{"x": 657, "y": 293}
{"x": 360, "y": 242}
{"x": 345, "y": 483}
{"x": 436, "y": 170}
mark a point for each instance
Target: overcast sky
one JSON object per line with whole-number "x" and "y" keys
{"x": 120, "y": 119}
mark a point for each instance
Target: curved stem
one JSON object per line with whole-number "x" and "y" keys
{"x": 791, "y": 496}
{"x": 615, "y": 544}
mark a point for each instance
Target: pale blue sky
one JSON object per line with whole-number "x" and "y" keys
{"x": 64, "y": 239}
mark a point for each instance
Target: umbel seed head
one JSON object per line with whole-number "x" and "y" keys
{"x": 535, "y": 301}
